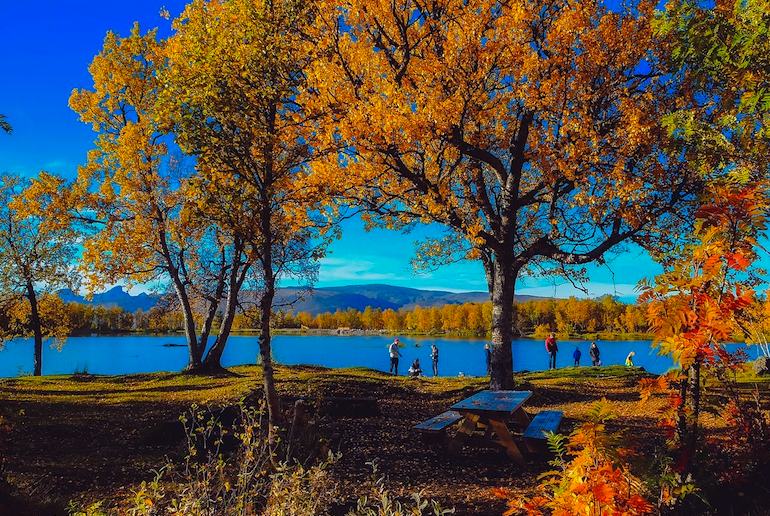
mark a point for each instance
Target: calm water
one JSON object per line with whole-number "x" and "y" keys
{"x": 144, "y": 354}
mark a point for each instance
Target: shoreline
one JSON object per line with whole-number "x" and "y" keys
{"x": 352, "y": 332}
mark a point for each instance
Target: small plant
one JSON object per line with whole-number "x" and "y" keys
{"x": 382, "y": 503}
{"x": 234, "y": 472}
{"x": 95, "y": 509}
{"x": 590, "y": 476}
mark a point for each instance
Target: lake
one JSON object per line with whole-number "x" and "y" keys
{"x": 151, "y": 353}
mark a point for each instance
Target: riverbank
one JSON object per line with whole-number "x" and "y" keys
{"x": 609, "y": 336}
{"x": 96, "y": 438}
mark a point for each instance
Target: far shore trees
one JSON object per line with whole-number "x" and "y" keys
{"x": 37, "y": 253}
{"x": 140, "y": 211}
{"x": 234, "y": 76}
{"x": 530, "y": 130}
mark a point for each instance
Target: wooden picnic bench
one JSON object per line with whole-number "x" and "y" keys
{"x": 492, "y": 412}
{"x": 544, "y": 422}
{"x": 438, "y": 424}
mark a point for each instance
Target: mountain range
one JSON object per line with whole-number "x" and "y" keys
{"x": 321, "y": 299}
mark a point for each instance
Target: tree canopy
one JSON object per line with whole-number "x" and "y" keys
{"x": 37, "y": 255}
{"x": 530, "y": 130}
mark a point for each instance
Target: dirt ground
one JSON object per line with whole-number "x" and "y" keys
{"x": 94, "y": 438}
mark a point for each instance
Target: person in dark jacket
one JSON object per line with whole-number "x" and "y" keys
{"x": 576, "y": 355}
{"x": 552, "y": 348}
{"x": 594, "y": 352}
{"x": 434, "y": 358}
{"x": 415, "y": 370}
{"x": 488, "y": 353}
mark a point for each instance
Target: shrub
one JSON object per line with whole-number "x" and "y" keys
{"x": 589, "y": 476}
{"x": 382, "y": 503}
{"x": 248, "y": 480}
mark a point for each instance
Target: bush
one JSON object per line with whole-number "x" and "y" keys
{"x": 382, "y": 503}
{"x": 589, "y": 476}
{"x": 247, "y": 481}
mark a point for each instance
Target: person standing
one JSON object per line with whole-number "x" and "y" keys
{"x": 630, "y": 359}
{"x": 576, "y": 355}
{"x": 394, "y": 354}
{"x": 594, "y": 352}
{"x": 434, "y": 357}
{"x": 552, "y": 348}
{"x": 488, "y": 353}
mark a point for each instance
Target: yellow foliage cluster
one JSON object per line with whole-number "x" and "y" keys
{"x": 591, "y": 478}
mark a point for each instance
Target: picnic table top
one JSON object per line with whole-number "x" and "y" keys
{"x": 493, "y": 401}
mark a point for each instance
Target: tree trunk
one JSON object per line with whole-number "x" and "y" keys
{"x": 36, "y": 330}
{"x": 266, "y": 303}
{"x": 695, "y": 394}
{"x": 681, "y": 424}
{"x": 212, "y": 362}
{"x": 271, "y": 395}
{"x": 502, "y": 288}
{"x": 193, "y": 351}
{"x": 214, "y": 356}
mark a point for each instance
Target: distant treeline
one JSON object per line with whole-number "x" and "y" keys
{"x": 81, "y": 319}
{"x": 537, "y": 317}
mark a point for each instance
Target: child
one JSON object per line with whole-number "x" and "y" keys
{"x": 415, "y": 370}
{"x": 576, "y": 355}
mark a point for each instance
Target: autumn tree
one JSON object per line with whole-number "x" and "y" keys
{"x": 144, "y": 218}
{"x": 36, "y": 258}
{"x": 235, "y": 72}
{"x": 706, "y": 293}
{"x": 529, "y": 130}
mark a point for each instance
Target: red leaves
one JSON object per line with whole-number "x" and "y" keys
{"x": 738, "y": 260}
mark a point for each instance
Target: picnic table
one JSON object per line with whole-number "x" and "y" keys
{"x": 493, "y": 412}
{"x": 497, "y": 415}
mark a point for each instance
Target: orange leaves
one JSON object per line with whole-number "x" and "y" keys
{"x": 651, "y": 386}
{"x": 587, "y": 480}
{"x": 697, "y": 302}
{"x": 738, "y": 260}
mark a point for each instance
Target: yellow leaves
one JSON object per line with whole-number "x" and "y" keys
{"x": 473, "y": 68}
{"x": 587, "y": 480}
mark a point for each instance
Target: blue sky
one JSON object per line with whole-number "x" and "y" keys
{"x": 46, "y": 49}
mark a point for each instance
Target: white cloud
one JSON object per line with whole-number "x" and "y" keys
{"x": 595, "y": 289}
{"x": 337, "y": 269}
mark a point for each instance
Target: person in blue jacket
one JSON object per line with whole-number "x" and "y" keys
{"x": 576, "y": 355}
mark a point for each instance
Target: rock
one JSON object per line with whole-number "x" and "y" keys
{"x": 762, "y": 366}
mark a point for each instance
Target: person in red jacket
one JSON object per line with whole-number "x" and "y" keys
{"x": 551, "y": 347}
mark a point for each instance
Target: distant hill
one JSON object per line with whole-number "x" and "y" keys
{"x": 322, "y": 299}
{"x": 116, "y": 296}
{"x": 330, "y": 299}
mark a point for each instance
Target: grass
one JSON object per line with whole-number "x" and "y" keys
{"x": 91, "y": 437}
